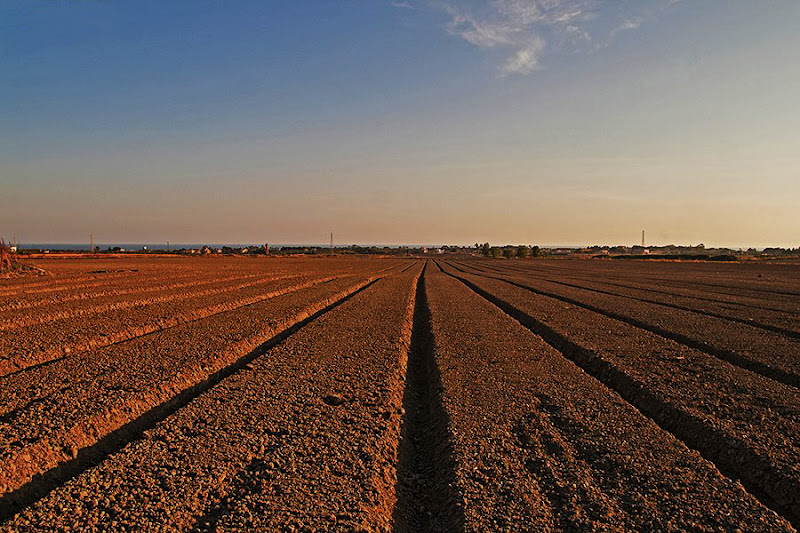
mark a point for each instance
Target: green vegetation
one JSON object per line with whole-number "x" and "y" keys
{"x": 508, "y": 251}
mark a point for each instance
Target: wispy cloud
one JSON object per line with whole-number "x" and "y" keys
{"x": 402, "y": 5}
{"x": 524, "y": 30}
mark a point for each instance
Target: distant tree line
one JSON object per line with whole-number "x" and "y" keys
{"x": 508, "y": 251}
{"x": 779, "y": 251}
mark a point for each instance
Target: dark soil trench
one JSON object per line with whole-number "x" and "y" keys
{"x": 426, "y": 495}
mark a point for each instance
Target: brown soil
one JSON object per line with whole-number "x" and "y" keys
{"x": 351, "y": 394}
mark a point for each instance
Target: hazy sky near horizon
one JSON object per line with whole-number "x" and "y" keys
{"x": 419, "y": 121}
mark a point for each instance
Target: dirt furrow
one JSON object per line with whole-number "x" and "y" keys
{"x": 44, "y": 343}
{"x": 176, "y": 276}
{"x": 542, "y": 446}
{"x": 740, "y": 421}
{"x": 28, "y": 385}
{"x": 124, "y": 301}
{"x": 779, "y": 322}
{"x": 20, "y": 306}
{"x": 752, "y": 280}
{"x": 30, "y": 347}
{"x": 769, "y": 354}
{"x": 21, "y": 286}
{"x": 53, "y": 288}
{"x": 667, "y": 292}
{"x": 746, "y": 302}
{"x": 425, "y": 466}
{"x": 304, "y": 436}
{"x": 124, "y": 382}
{"x": 72, "y": 275}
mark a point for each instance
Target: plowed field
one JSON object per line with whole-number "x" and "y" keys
{"x": 399, "y": 394}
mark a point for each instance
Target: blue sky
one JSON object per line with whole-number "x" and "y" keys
{"x": 519, "y": 121}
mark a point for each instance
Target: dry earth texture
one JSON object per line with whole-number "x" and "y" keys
{"x": 399, "y": 394}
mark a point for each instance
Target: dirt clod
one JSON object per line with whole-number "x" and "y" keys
{"x": 333, "y": 399}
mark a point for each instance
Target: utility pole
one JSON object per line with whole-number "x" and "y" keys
{"x": 642, "y": 238}
{"x": 91, "y": 243}
{"x": 331, "y": 243}
{"x": 167, "y": 246}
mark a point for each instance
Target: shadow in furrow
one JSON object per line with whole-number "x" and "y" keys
{"x": 42, "y": 484}
{"x": 409, "y": 267}
{"x": 33, "y": 367}
{"x": 426, "y": 479}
